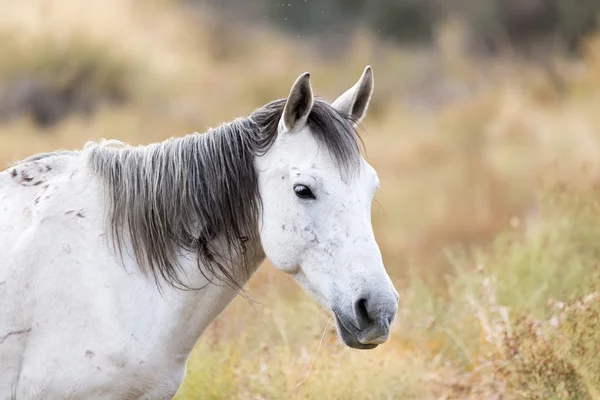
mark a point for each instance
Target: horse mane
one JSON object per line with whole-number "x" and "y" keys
{"x": 199, "y": 193}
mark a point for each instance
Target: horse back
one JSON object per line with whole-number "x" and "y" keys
{"x": 25, "y": 190}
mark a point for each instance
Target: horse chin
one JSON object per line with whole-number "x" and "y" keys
{"x": 349, "y": 339}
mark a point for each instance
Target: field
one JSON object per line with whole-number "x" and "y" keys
{"x": 488, "y": 215}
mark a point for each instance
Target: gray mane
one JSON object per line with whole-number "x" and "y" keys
{"x": 199, "y": 193}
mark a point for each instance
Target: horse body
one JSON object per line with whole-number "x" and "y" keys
{"x": 114, "y": 260}
{"x": 75, "y": 322}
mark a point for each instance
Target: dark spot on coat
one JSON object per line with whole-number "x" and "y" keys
{"x": 335, "y": 244}
{"x": 38, "y": 183}
{"x": 13, "y": 173}
{"x": 89, "y": 354}
{"x": 118, "y": 360}
{"x": 25, "y": 177}
{"x": 80, "y": 214}
{"x": 48, "y": 168}
{"x": 283, "y": 227}
{"x": 314, "y": 238}
{"x": 36, "y": 200}
{"x": 69, "y": 212}
{"x": 14, "y": 333}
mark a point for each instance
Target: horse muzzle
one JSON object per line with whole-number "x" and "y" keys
{"x": 369, "y": 323}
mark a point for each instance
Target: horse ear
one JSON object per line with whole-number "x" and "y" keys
{"x": 355, "y": 101}
{"x": 299, "y": 104}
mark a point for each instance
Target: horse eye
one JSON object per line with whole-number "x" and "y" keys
{"x": 303, "y": 192}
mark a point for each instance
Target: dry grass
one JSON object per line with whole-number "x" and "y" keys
{"x": 487, "y": 216}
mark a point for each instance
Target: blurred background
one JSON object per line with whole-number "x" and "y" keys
{"x": 484, "y": 129}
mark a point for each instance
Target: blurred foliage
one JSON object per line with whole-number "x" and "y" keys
{"x": 494, "y": 23}
{"x": 406, "y": 20}
{"x": 51, "y": 81}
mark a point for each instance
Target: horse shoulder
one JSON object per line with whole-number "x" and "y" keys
{"x": 60, "y": 269}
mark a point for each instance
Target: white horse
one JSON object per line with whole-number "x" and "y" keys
{"x": 115, "y": 259}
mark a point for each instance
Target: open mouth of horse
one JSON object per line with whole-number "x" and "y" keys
{"x": 349, "y": 334}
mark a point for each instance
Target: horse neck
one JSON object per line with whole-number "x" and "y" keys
{"x": 192, "y": 311}
{"x": 207, "y": 209}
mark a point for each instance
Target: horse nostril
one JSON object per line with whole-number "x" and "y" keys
{"x": 390, "y": 319}
{"x": 361, "y": 313}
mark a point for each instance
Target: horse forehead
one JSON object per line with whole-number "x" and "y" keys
{"x": 306, "y": 155}
{"x": 299, "y": 145}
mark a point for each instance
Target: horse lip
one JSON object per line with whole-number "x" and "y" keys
{"x": 347, "y": 325}
{"x": 350, "y": 338}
